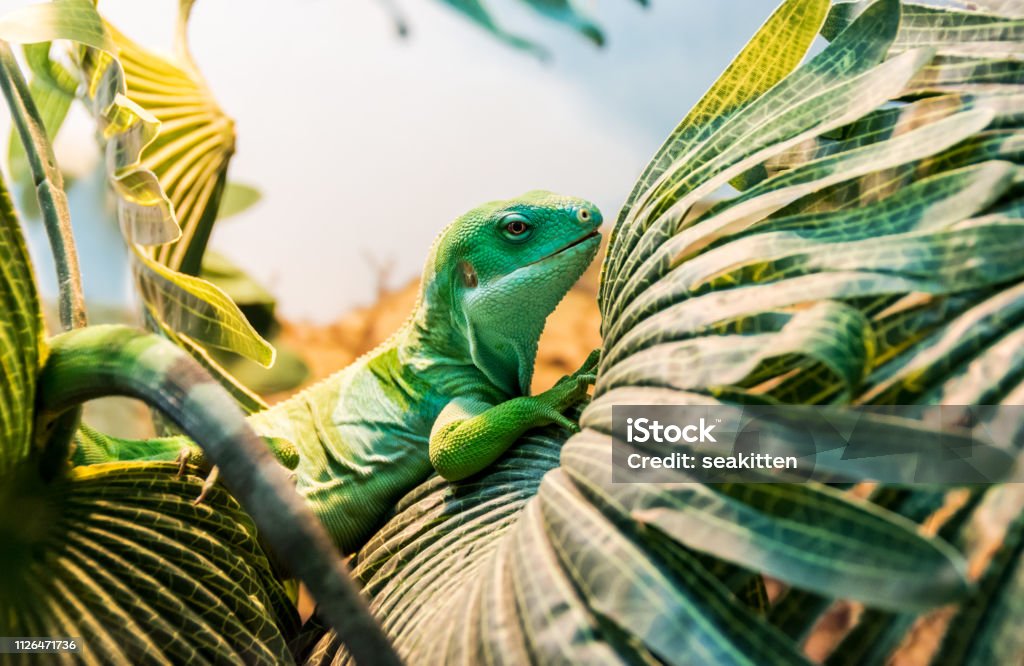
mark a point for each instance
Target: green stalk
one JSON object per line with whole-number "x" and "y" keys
{"x": 49, "y": 186}
{"x": 101, "y": 361}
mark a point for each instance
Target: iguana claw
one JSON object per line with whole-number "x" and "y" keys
{"x": 208, "y": 484}
{"x": 183, "y": 457}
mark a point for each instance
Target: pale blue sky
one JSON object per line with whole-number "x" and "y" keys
{"x": 365, "y": 145}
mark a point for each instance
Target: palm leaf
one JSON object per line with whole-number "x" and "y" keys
{"x": 123, "y": 558}
{"x": 986, "y": 627}
{"x": 520, "y": 566}
{"x": 189, "y": 155}
{"x": 762, "y": 63}
{"x": 168, "y": 145}
{"x": 22, "y": 346}
{"x": 878, "y": 633}
{"x": 951, "y": 335}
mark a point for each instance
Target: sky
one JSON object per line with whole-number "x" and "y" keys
{"x": 364, "y": 145}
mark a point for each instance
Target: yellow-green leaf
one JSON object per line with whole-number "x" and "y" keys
{"x": 192, "y": 306}
{"x": 21, "y": 339}
{"x": 772, "y": 53}
{"x": 75, "y": 20}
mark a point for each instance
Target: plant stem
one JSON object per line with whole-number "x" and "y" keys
{"x": 49, "y": 186}
{"x": 102, "y": 361}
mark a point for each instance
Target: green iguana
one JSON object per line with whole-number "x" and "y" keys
{"x": 449, "y": 391}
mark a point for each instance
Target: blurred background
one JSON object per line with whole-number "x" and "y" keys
{"x": 363, "y": 144}
{"x": 387, "y": 139}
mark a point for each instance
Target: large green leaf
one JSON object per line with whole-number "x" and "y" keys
{"x": 837, "y": 87}
{"x": 22, "y": 347}
{"x": 733, "y": 277}
{"x": 486, "y": 572}
{"x": 903, "y": 216}
{"x": 122, "y": 558}
{"x": 771, "y": 54}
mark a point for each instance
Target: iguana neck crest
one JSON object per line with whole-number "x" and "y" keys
{"x": 492, "y": 278}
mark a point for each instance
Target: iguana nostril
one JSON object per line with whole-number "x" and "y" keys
{"x": 583, "y": 215}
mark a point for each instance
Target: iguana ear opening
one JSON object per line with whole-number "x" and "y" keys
{"x": 468, "y": 274}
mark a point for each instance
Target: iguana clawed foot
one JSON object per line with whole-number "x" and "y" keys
{"x": 185, "y": 456}
{"x": 570, "y": 391}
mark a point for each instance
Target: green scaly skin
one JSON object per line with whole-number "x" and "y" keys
{"x": 449, "y": 391}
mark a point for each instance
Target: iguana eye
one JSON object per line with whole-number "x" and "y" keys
{"x": 516, "y": 227}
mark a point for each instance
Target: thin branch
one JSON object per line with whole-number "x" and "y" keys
{"x": 49, "y": 186}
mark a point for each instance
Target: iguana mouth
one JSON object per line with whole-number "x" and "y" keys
{"x": 593, "y": 234}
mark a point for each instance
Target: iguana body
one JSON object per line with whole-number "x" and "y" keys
{"x": 449, "y": 391}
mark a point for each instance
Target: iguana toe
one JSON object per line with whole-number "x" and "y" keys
{"x": 211, "y": 481}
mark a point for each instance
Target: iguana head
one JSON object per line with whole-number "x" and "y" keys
{"x": 499, "y": 270}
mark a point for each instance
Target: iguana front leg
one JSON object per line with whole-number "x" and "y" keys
{"x": 470, "y": 434}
